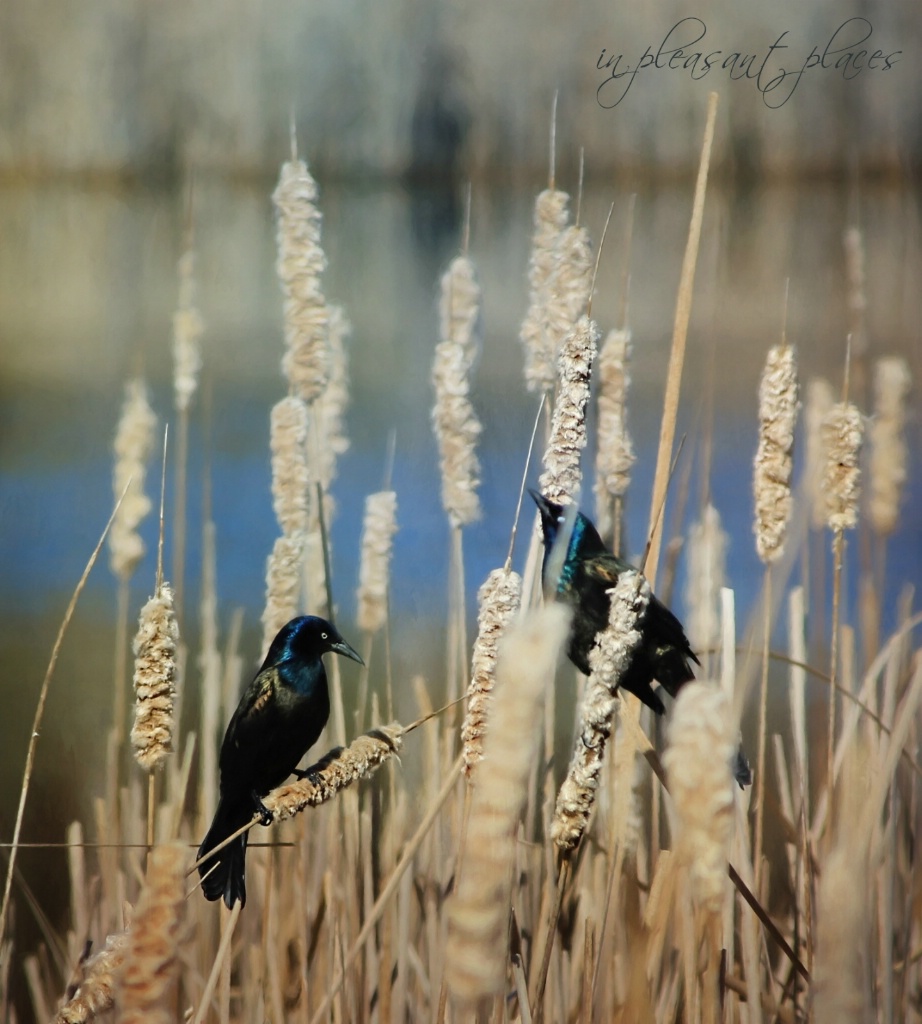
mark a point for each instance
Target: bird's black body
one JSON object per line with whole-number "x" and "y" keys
{"x": 279, "y": 718}
{"x": 582, "y": 576}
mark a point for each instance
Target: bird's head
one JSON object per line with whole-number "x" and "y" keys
{"x": 309, "y": 636}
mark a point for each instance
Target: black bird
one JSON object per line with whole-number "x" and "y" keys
{"x": 587, "y": 570}
{"x": 280, "y": 716}
{"x": 582, "y": 575}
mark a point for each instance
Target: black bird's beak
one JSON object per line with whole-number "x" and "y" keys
{"x": 341, "y": 647}
{"x": 544, "y": 506}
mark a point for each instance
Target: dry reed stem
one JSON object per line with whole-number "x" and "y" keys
{"x": 188, "y": 328}
{"x": 148, "y": 976}
{"x": 778, "y": 406}
{"x": 614, "y": 447}
{"x": 290, "y": 476}
{"x": 707, "y": 559}
{"x": 283, "y": 584}
{"x": 478, "y": 914}
{"x": 562, "y": 476}
{"x": 540, "y": 343}
{"x": 378, "y": 531}
{"x": 609, "y": 659}
{"x": 155, "y": 672}
{"x": 677, "y": 351}
{"x": 698, "y": 761}
{"x": 820, "y": 399}
{"x": 96, "y": 993}
{"x": 134, "y": 442}
{"x": 454, "y": 419}
{"x": 889, "y": 454}
{"x": 499, "y": 599}
{"x": 301, "y": 261}
{"x": 339, "y": 769}
{"x": 842, "y": 432}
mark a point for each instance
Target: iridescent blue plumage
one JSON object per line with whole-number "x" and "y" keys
{"x": 279, "y": 718}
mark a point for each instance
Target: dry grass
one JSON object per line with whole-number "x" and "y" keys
{"x": 422, "y": 896}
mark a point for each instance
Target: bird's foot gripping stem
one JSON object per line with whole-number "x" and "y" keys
{"x": 266, "y": 816}
{"x": 310, "y": 774}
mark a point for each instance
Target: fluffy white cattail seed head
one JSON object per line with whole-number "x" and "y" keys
{"x": 155, "y": 680}
{"x": 703, "y": 740}
{"x": 374, "y": 568}
{"x": 842, "y": 433}
{"x": 188, "y": 328}
{"x": 287, "y": 443}
{"x": 707, "y": 559}
{"x": 772, "y": 485}
{"x": 283, "y": 584}
{"x": 889, "y": 455}
{"x": 615, "y": 450}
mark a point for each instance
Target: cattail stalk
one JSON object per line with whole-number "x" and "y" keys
{"x": 290, "y": 477}
{"x": 300, "y": 263}
{"x": 147, "y": 980}
{"x": 499, "y": 600}
{"x": 330, "y": 408}
{"x": 615, "y": 449}
{"x": 537, "y": 335}
{"x": 609, "y": 659}
{"x": 337, "y": 771}
{"x": 155, "y": 680}
{"x": 96, "y": 994}
{"x": 887, "y": 464}
{"x": 478, "y": 914}
{"x": 374, "y": 568}
{"x": 562, "y": 476}
{"x": 454, "y": 419}
{"x": 698, "y": 761}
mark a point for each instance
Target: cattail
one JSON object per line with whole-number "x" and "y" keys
{"x": 615, "y": 450}
{"x": 335, "y": 772}
{"x": 707, "y": 559}
{"x": 287, "y": 441}
{"x": 499, "y": 599}
{"x": 561, "y": 478}
{"x": 571, "y": 283}
{"x": 541, "y": 344}
{"x": 478, "y": 914}
{"x": 609, "y": 660}
{"x": 300, "y": 263}
{"x": 853, "y": 242}
{"x": 188, "y": 328}
{"x": 456, "y": 425}
{"x": 887, "y": 464}
{"x": 155, "y": 680}
{"x": 283, "y": 585}
{"x": 148, "y": 976}
{"x": 134, "y": 442}
{"x": 702, "y": 750}
{"x": 820, "y": 399}
{"x": 374, "y": 568}
{"x": 96, "y": 994}
{"x": 330, "y": 407}
{"x": 842, "y": 431}
{"x": 777, "y": 418}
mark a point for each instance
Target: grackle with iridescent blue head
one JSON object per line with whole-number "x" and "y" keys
{"x": 280, "y": 716}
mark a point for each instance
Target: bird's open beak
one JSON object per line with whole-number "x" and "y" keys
{"x": 349, "y": 652}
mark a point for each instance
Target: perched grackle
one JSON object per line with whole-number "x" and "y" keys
{"x": 583, "y": 575}
{"x": 280, "y": 716}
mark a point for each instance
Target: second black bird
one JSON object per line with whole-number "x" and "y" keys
{"x": 280, "y": 716}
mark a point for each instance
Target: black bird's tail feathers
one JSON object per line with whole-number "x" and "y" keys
{"x": 228, "y": 879}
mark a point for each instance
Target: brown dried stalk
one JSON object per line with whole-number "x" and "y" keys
{"x": 155, "y": 680}
{"x": 456, "y": 425}
{"x": 336, "y": 771}
{"x": 287, "y": 442}
{"x": 134, "y": 442}
{"x": 778, "y": 406}
{"x": 609, "y": 659}
{"x": 478, "y": 914}
{"x": 702, "y": 749}
{"x": 561, "y": 478}
{"x": 499, "y": 599}
{"x": 147, "y": 979}
{"x": 842, "y": 432}
{"x": 887, "y": 468}
{"x": 300, "y": 263}
{"x": 188, "y": 327}
{"x": 615, "y": 450}
{"x": 537, "y": 336}
{"x": 374, "y": 568}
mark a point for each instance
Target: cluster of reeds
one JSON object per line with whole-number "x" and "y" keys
{"x": 492, "y": 870}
